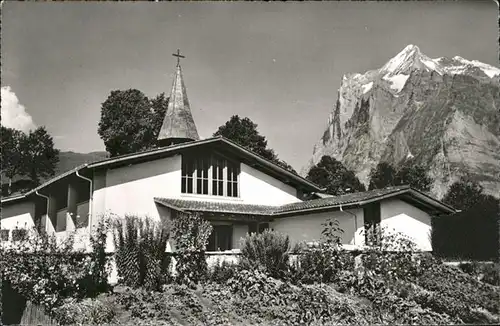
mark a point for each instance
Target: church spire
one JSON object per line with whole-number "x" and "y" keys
{"x": 178, "y": 125}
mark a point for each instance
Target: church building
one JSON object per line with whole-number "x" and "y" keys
{"x": 235, "y": 189}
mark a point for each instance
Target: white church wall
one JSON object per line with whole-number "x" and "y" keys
{"x": 398, "y": 216}
{"x": 259, "y": 188}
{"x": 308, "y": 227}
{"x": 20, "y": 215}
{"x": 131, "y": 189}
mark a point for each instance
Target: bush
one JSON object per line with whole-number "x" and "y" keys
{"x": 485, "y": 272}
{"x": 222, "y": 272}
{"x": 321, "y": 263}
{"x": 191, "y": 233}
{"x": 87, "y": 311}
{"x": 45, "y": 272}
{"x": 267, "y": 252}
{"x": 140, "y": 252}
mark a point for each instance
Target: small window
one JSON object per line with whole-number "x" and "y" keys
{"x": 4, "y": 234}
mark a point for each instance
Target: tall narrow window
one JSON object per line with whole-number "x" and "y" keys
{"x": 209, "y": 175}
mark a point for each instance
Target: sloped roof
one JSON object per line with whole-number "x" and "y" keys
{"x": 178, "y": 122}
{"x": 157, "y": 153}
{"x": 335, "y": 202}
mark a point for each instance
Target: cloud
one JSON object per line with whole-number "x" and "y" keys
{"x": 14, "y": 114}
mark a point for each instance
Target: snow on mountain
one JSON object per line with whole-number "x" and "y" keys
{"x": 442, "y": 113}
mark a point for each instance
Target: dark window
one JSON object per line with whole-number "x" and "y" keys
{"x": 197, "y": 178}
{"x": 4, "y": 234}
{"x": 371, "y": 214}
{"x": 18, "y": 234}
{"x": 221, "y": 238}
{"x": 263, "y": 227}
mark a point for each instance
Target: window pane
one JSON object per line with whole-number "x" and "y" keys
{"x": 235, "y": 189}
{"x": 205, "y": 186}
{"x": 221, "y": 188}
{"x": 235, "y": 175}
{"x": 183, "y": 184}
{"x": 189, "y": 185}
{"x": 198, "y": 186}
{"x": 229, "y": 189}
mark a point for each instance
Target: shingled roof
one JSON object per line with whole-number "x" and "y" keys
{"x": 335, "y": 202}
{"x": 178, "y": 124}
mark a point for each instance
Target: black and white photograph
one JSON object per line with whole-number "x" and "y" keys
{"x": 250, "y": 163}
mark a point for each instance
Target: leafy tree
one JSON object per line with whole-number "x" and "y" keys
{"x": 244, "y": 132}
{"x": 464, "y": 194}
{"x": 473, "y": 232}
{"x": 334, "y": 176}
{"x": 381, "y": 176}
{"x": 39, "y": 157}
{"x": 414, "y": 175}
{"x": 409, "y": 173}
{"x": 130, "y": 122}
{"x": 11, "y": 153}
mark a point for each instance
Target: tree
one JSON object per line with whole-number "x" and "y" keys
{"x": 414, "y": 175}
{"x": 130, "y": 122}
{"x": 11, "y": 154}
{"x": 381, "y": 176}
{"x": 464, "y": 194}
{"x": 335, "y": 177}
{"x": 244, "y": 132}
{"x": 473, "y": 232}
{"x": 409, "y": 173}
{"x": 39, "y": 157}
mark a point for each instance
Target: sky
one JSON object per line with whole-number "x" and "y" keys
{"x": 280, "y": 64}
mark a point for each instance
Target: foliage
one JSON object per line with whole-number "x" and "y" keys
{"x": 29, "y": 155}
{"x": 335, "y": 177}
{"x": 140, "y": 251}
{"x": 130, "y": 122}
{"x": 11, "y": 153}
{"x": 464, "y": 194}
{"x": 381, "y": 176}
{"x": 244, "y": 132}
{"x": 85, "y": 312}
{"x": 414, "y": 175}
{"x": 395, "y": 258}
{"x": 223, "y": 271}
{"x": 279, "y": 301}
{"x": 100, "y": 268}
{"x": 472, "y": 233}
{"x": 321, "y": 262}
{"x": 190, "y": 233}
{"x": 267, "y": 252}
{"x": 45, "y": 272}
{"x": 409, "y": 173}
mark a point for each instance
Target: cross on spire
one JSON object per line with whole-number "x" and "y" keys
{"x": 178, "y": 55}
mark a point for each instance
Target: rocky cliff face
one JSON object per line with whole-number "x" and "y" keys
{"x": 445, "y": 113}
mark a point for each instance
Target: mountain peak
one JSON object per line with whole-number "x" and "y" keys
{"x": 403, "y": 61}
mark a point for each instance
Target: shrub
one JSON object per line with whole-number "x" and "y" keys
{"x": 267, "y": 252}
{"x": 45, "y": 272}
{"x": 87, "y": 311}
{"x": 222, "y": 272}
{"x": 322, "y": 262}
{"x": 140, "y": 251}
{"x": 190, "y": 233}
